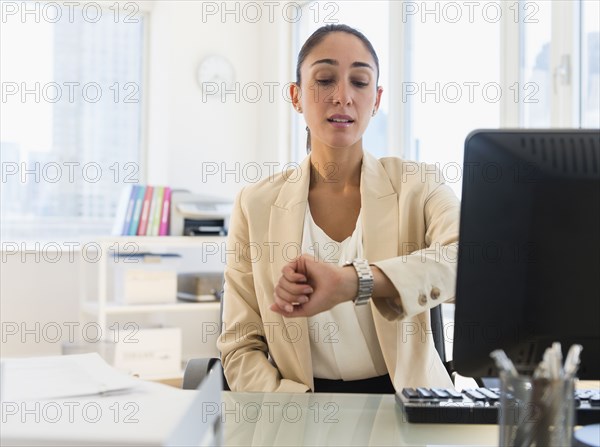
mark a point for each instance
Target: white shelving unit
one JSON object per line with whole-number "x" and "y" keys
{"x": 99, "y": 305}
{"x": 103, "y": 305}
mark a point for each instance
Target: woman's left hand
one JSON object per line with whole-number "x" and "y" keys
{"x": 307, "y": 287}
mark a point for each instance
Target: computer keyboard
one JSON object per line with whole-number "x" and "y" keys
{"x": 477, "y": 405}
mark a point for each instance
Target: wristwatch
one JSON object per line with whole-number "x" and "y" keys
{"x": 365, "y": 280}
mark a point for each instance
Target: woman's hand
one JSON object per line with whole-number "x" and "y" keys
{"x": 308, "y": 287}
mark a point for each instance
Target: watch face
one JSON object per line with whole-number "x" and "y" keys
{"x": 215, "y": 70}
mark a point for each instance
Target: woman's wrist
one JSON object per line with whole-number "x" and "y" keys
{"x": 348, "y": 284}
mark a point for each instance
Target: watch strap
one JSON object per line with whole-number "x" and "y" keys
{"x": 365, "y": 280}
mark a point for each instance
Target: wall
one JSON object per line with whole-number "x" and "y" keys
{"x": 187, "y": 132}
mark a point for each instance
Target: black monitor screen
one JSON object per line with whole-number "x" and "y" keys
{"x": 529, "y": 258}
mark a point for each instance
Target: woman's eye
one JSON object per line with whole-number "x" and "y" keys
{"x": 360, "y": 83}
{"x": 324, "y": 81}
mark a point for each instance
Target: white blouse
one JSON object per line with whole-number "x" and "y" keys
{"x": 343, "y": 341}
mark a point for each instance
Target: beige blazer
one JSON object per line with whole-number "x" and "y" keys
{"x": 410, "y": 231}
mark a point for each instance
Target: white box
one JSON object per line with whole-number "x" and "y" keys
{"x": 151, "y": 279}
{"x": 149, "y": 353}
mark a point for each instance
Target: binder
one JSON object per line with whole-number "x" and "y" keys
{"x": 156, "y": 213}
{"x": 164, "y": 221}
{"x": 129, "y": 212}
{"x": 145, "y": 211}
{"x": 137, "y": 211}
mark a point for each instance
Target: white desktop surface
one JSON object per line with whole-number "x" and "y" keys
{"x": 337, "y": 419}
{"x": 249, "y": 419}
{"x": 142, "y": 416}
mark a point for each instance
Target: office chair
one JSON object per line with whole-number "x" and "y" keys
{"x": 198, "y": 368}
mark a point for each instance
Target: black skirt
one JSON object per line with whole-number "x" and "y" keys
{"x": 374, "y": 385}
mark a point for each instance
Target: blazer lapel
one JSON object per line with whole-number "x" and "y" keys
{"x": 380, "y": 241}
{"x": 380, "y": 211}
{"x": 286, "y": 223}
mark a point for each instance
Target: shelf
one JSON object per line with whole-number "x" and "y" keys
{"x": 114, "y": 309}
{"x": 165, "y": 241}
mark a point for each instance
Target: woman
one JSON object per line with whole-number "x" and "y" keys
{"x": 295, "y": 317}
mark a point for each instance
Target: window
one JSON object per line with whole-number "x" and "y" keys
{"x": 453, "y": 84}
{"x": 535, "y": 64}
{"x": 71, "y": 119}
{"x": 459, "y": 66}
{"x": 590, "y": 64}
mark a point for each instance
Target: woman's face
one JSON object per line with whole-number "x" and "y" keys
{"x": 338, "y": 95}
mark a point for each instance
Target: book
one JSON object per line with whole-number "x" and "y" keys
{"x": 122, "y": 210}
{"x": 145, "y": 211}
{"x": 156, "y": 214}
{"x": 151, "y": 211}
{"x": 164, "y": 220}
{"x": 137, "y": 211}
{"x": 129, "y": 214}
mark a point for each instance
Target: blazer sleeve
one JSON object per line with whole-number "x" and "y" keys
{"x": 426, "y": 277}
{"x": 242, "y": 343}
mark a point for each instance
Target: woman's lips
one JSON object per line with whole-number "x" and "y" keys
{"x": 340, "y": 121}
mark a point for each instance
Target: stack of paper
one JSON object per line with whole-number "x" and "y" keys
{"x": 39, "y": 378}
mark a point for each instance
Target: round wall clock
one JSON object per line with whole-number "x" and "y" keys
{"x": 215, "y": 69}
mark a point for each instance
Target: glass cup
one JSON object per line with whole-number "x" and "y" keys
{"x": 537, "y": 411}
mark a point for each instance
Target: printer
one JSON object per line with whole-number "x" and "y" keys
{"x": 199, "y": 215}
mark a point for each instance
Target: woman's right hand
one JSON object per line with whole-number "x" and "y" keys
{"x": 307, "y": 287}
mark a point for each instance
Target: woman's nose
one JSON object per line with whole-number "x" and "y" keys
{"x": 342, "y": 93}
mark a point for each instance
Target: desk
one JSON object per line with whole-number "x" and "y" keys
{"x": 336, "y": 419}
{"x": 147, "y": 415}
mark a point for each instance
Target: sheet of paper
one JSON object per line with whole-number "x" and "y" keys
{"x": 39, "y": 378}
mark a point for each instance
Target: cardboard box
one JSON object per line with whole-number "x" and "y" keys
{"x": 149, "y": 353}
{"x": 199, "y": 286}
{"x": 152, "y": 279}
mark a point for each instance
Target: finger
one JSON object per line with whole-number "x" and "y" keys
{"x": 292, "y": 288}
{"x": 283, "y": 307}
{"x": 290, "y": 273}
{"x": 285, "y": 299}
{"x": 301, "y": 265}
{"x": 297, "y": 311}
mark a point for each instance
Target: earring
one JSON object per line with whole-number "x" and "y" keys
{"x": 374, "y": 112}
{"x": 298, "y": 109}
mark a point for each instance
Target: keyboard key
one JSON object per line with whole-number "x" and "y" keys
{"x": 410, "y": 393}
{"x": 440, "y": 393}
{"x": 474, "y": 394}
{"x": 489, "y": 394}
{"x": 454, "y": 394}
{"x": 424, "y": 393}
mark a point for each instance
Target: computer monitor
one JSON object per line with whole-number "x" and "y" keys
{"x": 529, "y": 256}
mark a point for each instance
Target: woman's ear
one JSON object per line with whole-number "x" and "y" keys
{"x": 377, "y": 99}
{"x": 295, "y": 94}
